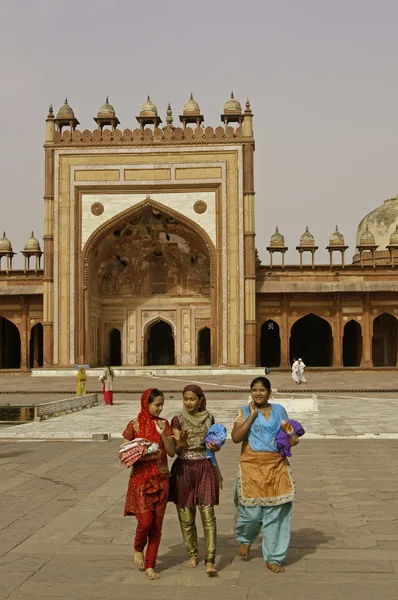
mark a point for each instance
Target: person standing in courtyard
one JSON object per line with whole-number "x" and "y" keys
{"x": 107, "y": 383}
{"x": 264, "y": 487}
{"x": 295, "y": 370}
{"x": 148, "y": 488}
{"x": 81, "y": 382}
{"x": 195, "y": 481}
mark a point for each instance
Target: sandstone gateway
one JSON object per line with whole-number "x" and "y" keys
{"x": 150, "y": 258}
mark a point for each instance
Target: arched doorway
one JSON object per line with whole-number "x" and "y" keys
{"x": 270, "y": 344}
{"x": 160, "y": 344}
{"x": 36, "y": 346}
{"x": 10, "y": 345}
{"x": 204, "y": 345}
{"x": 384, "y": 341}
{"x": 115, "y": 347}
{"x": 352, "y": 344}
{"x": 311, "y": 339}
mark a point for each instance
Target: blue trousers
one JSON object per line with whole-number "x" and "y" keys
{"x": 274, "y": 521}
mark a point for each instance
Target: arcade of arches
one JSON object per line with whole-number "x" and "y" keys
{"x": 149, "y": 293}
{"x": 314, "y": 339}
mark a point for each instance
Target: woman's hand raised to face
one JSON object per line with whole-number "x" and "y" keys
{"x": 160, "y": 427}
{"x": 253, "y": 409}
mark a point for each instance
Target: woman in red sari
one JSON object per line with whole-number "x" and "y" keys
{"x": 148, "y": 489}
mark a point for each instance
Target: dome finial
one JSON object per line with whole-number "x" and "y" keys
{"x": 50, "y": 110}
{"x": 232, "y": 96}
{"x": 169, "y": 115}
{"x": 191, "y": 97}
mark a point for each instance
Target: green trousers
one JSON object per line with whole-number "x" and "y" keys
{"x": 187, "y": 518}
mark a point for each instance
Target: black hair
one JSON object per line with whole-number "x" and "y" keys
{"x": 154, "y": 394}
{"x": 264, "y": 380}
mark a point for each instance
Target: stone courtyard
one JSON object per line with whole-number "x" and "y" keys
{"x": 63, "y": 534}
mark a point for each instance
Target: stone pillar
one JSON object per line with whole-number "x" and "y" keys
{"x": 24, "y": 333}
{"x": 48, "y": 295}
{"x": 367, "y": 331}
{"x": 338, "y": 336}
{"x": 284, "y": 333}
{"x": 250, "y": 256}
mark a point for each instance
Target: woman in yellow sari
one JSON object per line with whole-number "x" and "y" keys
{"x": 81, "y": 382}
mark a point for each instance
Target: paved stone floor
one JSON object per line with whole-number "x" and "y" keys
{"x": 338, "y": 415}
{"x": 62, "y": 533}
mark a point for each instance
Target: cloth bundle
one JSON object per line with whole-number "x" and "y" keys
{"x": 282, "y": 438}
{"x": 217, "y": 434}
{"x": 136, "y": 450}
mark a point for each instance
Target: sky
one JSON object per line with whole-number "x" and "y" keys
{"x": 321, "y": 76}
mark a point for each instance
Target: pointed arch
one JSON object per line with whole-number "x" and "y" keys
{"x": 270, "y": 344}
{"x": 10, "y": 345}
{"x": 159, "y": 342}
{"x": 384, "y": 340}
{"x": 204, "y": 346}
{"x": 100, "y": 234}
{"x": 352, "y": 344}
{"x": 311, "y": 339}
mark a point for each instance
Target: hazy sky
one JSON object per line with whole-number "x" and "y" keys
{"x": 321, "y": 76}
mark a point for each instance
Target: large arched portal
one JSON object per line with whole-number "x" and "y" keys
{"x": 352, "y": 344}
{"x": 160, "y": 344}
{"x": 384, "y": 341}
{"x": 148, "y": 263}
{"x": 270, "y": 344}
{"x": 204, "y": 346}
{"x": 36, "y": 346}
{"x": 10, "y": 345}
{"x": 311, "y": 339}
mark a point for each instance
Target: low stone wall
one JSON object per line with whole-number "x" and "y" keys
{"x": 57, "y": 408}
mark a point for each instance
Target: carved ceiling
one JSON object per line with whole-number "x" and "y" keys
{"x": 151, "y": 253}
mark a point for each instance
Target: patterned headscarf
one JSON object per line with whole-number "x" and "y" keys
{"x": 147, "y": 421}
{"x": 199, "y": 392}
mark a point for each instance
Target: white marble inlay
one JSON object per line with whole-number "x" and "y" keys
{"x": 181, "y": 202}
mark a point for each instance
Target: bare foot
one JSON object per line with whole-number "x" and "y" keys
{"x": 275, "y": 568}
{"x": 139, "y": 560}
{"x": 211, "y": 570}
{"x": 244, "y": 551}
{"x": 151, "y": 574}
{"x": 192, "y": 562}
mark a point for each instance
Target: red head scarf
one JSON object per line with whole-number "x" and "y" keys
{"x": 147, "y": 421}
{"x": 199, "y": 392}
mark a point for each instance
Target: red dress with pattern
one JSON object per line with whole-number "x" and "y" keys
{"x": 148, "y": 487}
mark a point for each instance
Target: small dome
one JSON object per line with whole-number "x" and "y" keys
{"x": 367, "y": 238}
{"x": 337, "y": 238}
{"x": 191, "y": 107}
{"x": 394, "y": 237}
{"x": 307, "y": 239}
{"x": 277, "y": 238}
{"x": 65, "y": 112}
{"x": 5, "y": 244}
{"x": 148, "y": 109}
{"x": 32, "y": 244}
{"x": 232, "y": 106}
{"x": 107, "y": 109}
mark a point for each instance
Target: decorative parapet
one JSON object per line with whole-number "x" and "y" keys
{"x": 58, "y": 408}
{"x": 168, "y": 135}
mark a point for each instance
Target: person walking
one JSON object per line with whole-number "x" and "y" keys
{"x": 195, "y": 481}
{"x": 148, "y": 488}
{"x": 107, "y": 384}
{"x": 301, "y": 369}
{"x": 264, "y": 487}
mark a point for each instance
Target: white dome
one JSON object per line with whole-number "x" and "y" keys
{"x": 381, "y": 222}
